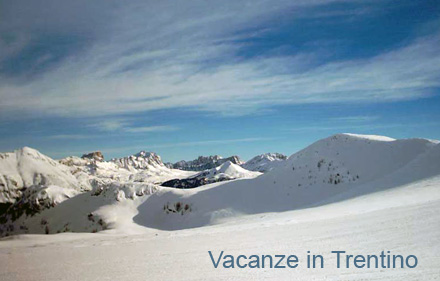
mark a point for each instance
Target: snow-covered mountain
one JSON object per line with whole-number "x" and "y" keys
{"x": 264, "y": 162}
{"x": 224, "y": 172}
{"x": 126, "y": 193}
{"x": 32, "y": 183}
{"x": 134, "y": 168}
{"x": 340, "y": 167}
{"x": 26, "y": 168}
{"x": 205, "y": 162}
{"x": 143, "y": 160}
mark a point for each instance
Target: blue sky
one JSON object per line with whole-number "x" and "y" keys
{"x": 189, "y": 78}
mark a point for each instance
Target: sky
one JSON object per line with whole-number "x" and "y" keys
{"x": 231, "y": 77}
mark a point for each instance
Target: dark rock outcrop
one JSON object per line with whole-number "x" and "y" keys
{"x": 205, "y": 162}
{"x": 96, "y": 155}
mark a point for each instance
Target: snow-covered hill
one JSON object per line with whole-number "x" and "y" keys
{"x": 363, "y": 194}
{"x": 205, "y": 162}
{"x": 26, "y": 168}
{"x": 224, "y": 172}
{"x": 404, "y": 220}
{"x": 340, "y": 167}
{"x": 265, "y": 162}
{"x": 126, "y": 194}
{"x": 34, "y": 187}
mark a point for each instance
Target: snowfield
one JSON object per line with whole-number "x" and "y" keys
{"x": 331, "y": 170}
{"x": 361, "y": 194}
{"x": 224, "y": 172}
{"x": 265, "y": 162}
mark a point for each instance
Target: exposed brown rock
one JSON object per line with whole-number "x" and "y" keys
{"x": 96, "y": 155}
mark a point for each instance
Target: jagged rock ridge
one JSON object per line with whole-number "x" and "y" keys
{"x": 142, "y": 160}
{"x": 224, "y": 172}
{"x": 206, "y": 162}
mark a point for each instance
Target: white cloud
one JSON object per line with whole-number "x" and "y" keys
{"x": 124, "y": 125}
{"x": 150, "y": 129}
{"x": 359, "y": 118}
{"x": 210, "y": 142}
{"x": 131, "y": 149}
{"x": 69, "y": 137}
{"x": 110, "y": 125}
{"x": 357, "y": 127}
{"x": 182, "y": 56}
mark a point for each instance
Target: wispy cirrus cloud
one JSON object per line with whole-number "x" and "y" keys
{"x": 136, "y": 59}
{"x": 357, "y": 118}
{"x": 69, "y": 137}
{"x": 363, "y": 127}
{"x": 135, "y": 148}
{"x": 110, "y": 125}
{"x": 147, "y": 129}
{"x": 125, "y": 125}
{"x": 210, "y": 142}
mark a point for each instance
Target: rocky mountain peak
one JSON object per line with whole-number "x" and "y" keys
{"x": 140, "y": 160}
{"x": 205, "y": 162}
{"x": 96, "y": 155}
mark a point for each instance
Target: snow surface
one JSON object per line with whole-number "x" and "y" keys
{"x": 229, "y": 170}
{"x": 333, "y": 169}
{"x": 27, "y": 168}
{"x": 362, "y": 194}
{"x": 264, "y": 162}
{"x": 403, "y": 220}
{"x": 225, "y": 172}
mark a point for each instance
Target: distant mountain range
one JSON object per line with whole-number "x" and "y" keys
{"x": 88, "y": 194}
{"x": 31, "y": 182}
{"x": 261, "y": 163}
{"x": 204, "y": 163}
{"x": 224, "y": 172}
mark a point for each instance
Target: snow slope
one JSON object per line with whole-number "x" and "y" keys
{"x": 361, "y": 194}
{"x": 403, "y": 220}
{"x": 224, "y": 172}
{"x": 265, "y": 162}
{"x": 26, "y": 169}
{"x": 229, "y": 169}
{"x": 339, "y": 167}
{"x": 37, "y": 187}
